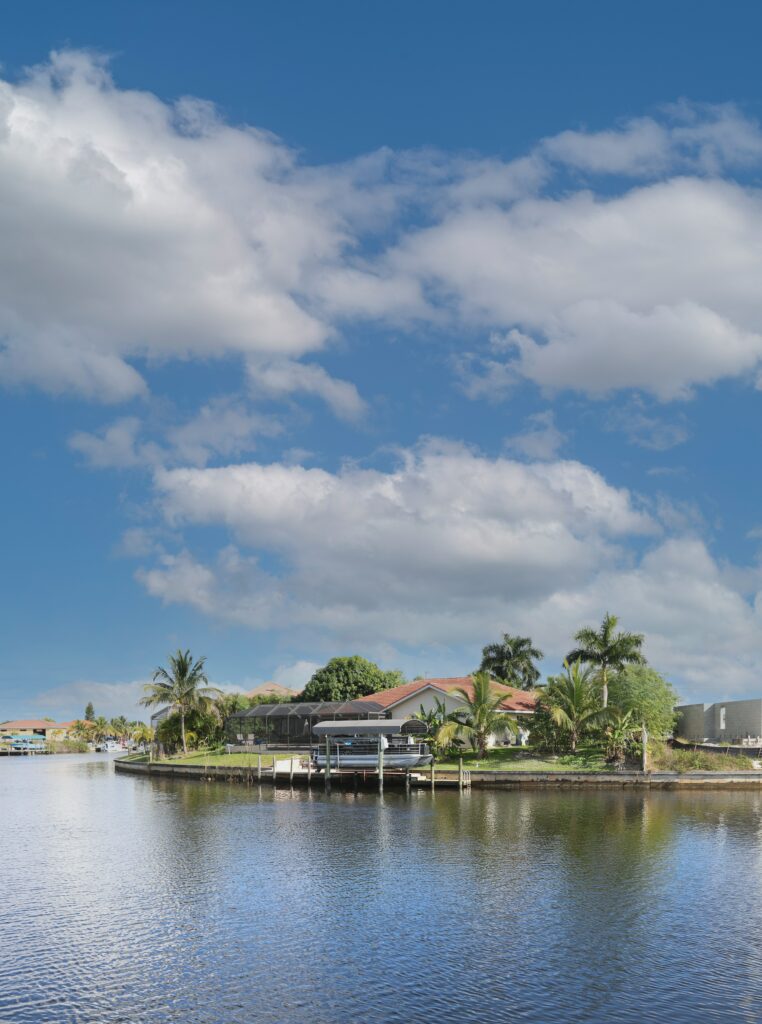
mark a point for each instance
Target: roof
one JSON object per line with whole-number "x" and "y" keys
{"x": 271, "y": 690}
{"x": 34, "y": 723}
{"x": 325, "y": 709}
{"x": 519, "y": 701}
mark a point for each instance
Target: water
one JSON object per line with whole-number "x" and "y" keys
{"x": 127, "y": 900}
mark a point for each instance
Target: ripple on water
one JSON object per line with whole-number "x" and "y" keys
{"x": 127, "y": 899}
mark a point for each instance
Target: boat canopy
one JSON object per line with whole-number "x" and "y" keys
{"x": 361, "y": 727}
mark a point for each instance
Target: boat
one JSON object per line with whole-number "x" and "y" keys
{"x": 372, "y": 745}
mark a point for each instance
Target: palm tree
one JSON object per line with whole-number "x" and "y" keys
{"x": 435, "y": 719}
{"x": 573, "y": 703}
{"x": 512, "y": 661}
{"x": 101, "y": 729}
{"x": 480, "y": 717}
{"x": 120, "y": 727}
{"x": 183, "y": 686}
{"x": 607, "y": 650}
{"x": 142, "y": 734}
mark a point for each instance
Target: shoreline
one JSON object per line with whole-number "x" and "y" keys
{"x": 449, "y": 779}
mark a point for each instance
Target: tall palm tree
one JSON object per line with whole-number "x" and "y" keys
{"x": 607, "y": 650}
{"x": 480, "y": 717}
{"x": 183, "y": 686}
{"x": 573, "y": 702}
{"x": 512, "y": 661}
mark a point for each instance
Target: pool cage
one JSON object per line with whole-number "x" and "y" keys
{"x": 290, "y": 726}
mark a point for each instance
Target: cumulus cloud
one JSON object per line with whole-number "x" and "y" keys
{"x": 136, "y": 230}
{"x": 446, "y": 530}
{"x": 449, "y": 548}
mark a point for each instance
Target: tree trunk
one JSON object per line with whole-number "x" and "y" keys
{"x": 605, "y": 690}
{"x": 182, "y": 730}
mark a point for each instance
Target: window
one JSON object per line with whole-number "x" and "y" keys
{"x": 722, "y": 719}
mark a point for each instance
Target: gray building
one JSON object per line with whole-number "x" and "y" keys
{"x": 728, "y": 721}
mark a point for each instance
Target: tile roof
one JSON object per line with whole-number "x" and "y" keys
{"x": 515, "y": 700}
{"x": 34, "y": 723}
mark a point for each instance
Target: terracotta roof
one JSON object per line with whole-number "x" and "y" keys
{"x": 515, "y": 700}
{"x": 34, "y": 723}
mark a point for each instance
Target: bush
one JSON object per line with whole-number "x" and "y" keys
{"x": 664, "y": 758}
{"x": 68, "y": 746}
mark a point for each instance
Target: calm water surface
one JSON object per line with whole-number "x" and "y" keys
{"x": 129, "y": 900}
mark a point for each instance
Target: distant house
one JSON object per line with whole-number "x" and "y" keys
{"x": 724, "y": 722}
{"x": 272, "y": 690}
{"x": 37, "y": 728}
{"x": 404, "y": 701}
{"x": 158, "y": 716}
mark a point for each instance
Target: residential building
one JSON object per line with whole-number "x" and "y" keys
{"x": 36, "y": 728}
{"x": 729, "y": 721}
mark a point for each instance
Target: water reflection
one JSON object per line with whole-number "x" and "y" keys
{"x": 126, "y": 899}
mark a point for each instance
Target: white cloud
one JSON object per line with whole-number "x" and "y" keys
{"x": 446, "y": 529}
{"x": 137, "y": 231}
{"x": 296, "y": 675}
{"x": 278, "y": 379}
{"x": 540, "y": 440}
{"x": 69, "y": 700}
{"x": 451, "y": 548}
{"x": 224, "y": 427}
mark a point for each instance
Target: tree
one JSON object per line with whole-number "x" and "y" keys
{"x": 435, "y": 719}
{"x": 512, "y": 661}
{"x": 647, "y": 694}
{"x": 183, "y": 686}
{"x": 618, "y": 732}
{"x": 89, "y": 712}
{"x": 573, "y": 704}
{"x": 101, "y": 729}
{"x": 480, "y": 717}
{"x": 142, "y": 734}
{"x": 607, "y": 650}
{"x": 120, "y": 727}
{"x": 348, "y": 678}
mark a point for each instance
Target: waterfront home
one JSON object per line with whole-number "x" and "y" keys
{"x": 36, "y": 728}
{"x": 408, "y": 699}
{"x": 271, "y": 690}
{"x": 730, "y": 721}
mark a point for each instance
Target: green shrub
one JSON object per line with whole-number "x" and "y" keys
{"x": 664, "y": 758}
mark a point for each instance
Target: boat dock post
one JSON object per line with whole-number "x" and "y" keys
{"x": 259, "y": 767}
{"x": 328, "y": 762}
{"x": 432, "y": 775}
{"x": 380, "y": 764}
{"x": 460, "y": 773}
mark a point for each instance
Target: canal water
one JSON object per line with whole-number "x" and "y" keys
{"x": 126, "y": 899}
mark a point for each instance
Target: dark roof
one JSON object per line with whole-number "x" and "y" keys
{"x": 311, "y": 710}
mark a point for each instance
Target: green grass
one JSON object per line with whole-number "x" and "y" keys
{"x": 226, "y": 760}
{"x": 667, "y": 759}
{"x": 516, "y": 759}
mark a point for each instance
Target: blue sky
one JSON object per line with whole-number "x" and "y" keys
{"x": 382, "y": 329}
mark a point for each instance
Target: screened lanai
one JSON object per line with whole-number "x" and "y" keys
{"x": 290, "y": 725}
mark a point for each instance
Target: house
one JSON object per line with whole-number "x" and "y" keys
{"x": 36, "y": 728}
{"x": 158, "y": 716}
{"x": 408, "y": 699}
{"x": 724, "y": 722}
{"x": 271, "y": 690}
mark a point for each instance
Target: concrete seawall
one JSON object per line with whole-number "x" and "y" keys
{"x": 449, "y": 779}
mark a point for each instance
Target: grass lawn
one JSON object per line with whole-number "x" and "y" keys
{"x": 226, "y": 760}
{"x": 517, "y": 759}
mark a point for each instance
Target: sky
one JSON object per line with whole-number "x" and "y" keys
{"x": 381, "y": 329}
